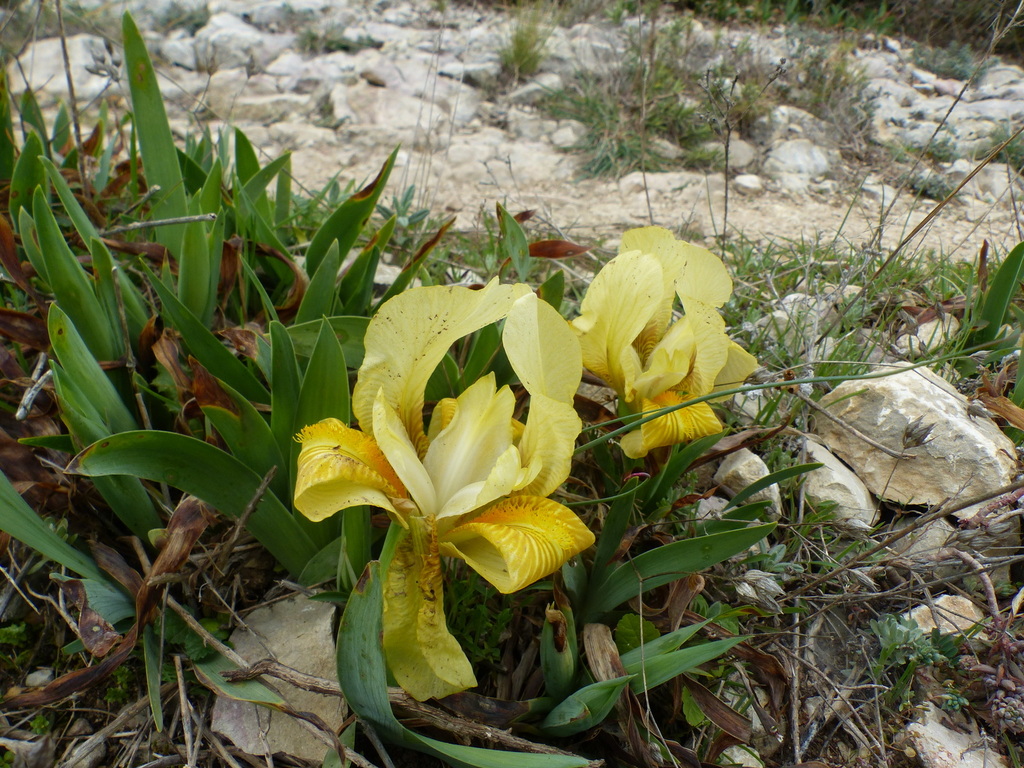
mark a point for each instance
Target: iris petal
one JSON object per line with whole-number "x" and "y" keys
{"x": 340, "y": 467}
{"x": 623, "y": 296}
{"x": 464, "y": 453}
{"x": 518, "y": 541}
{"x": 395, "y": 444}
{"x": 679, "y": 426}
{"x": 408, "y": 338}
{"x": 424, "y": 657}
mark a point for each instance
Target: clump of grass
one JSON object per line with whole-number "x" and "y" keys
{"x": 956, "y": 60}
{"x": 526, "y": 48}
{"x": 332, "y": 39}
{"x": 928, "y": 184}
{"x": 182, "y": 16}
{"x": 830, "y": 86}
{"x": 621, "y": 134}
{"x": 1013, "y": 153}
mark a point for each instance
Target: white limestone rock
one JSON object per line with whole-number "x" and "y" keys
{"x": 298, "y": 632}
{"x": 740, "y": 469}
{"x": 964, "y": 456}
{"x": 835, "y": 482}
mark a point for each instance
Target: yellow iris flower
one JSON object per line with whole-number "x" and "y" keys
{"x": 628, "y": 337}
{"x": 473, "y": 485}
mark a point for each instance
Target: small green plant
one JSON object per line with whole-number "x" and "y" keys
{"x": 526, "y": 48}
{"x": 956, "y": 60}
{"x": 119, "y": 687}
{"x": 14, "y": 634}
{"x": 40, "y": 725}
{"x": 927, "y": 183}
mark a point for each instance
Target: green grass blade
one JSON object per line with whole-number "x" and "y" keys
{"x": 28, "y": 177}
{"x": 346, "y": 223}
{"x": 209, "y": 673}
{"x": 247, "y": 164}
{"x": 666, "y": 564}
{"x": 660, "y": 669}
{"x": 85, "y": 227}
{"x": 283, "y": 195}
{"x": 257, "y": 184}
{"x": 244, "y": 430}
{"x": 89, "y": 378}
{"x": 151, "y": 654}
{"x": 32, "y": 118}
{"x": 349, "y": 330}
{"x": 769, "y": 480}
{"x": 206, "y": 347}
{"x": 194, "y": 269}
{"x": 61, "y": 133}
{"x": 325, "y": 390}
{"x": 512, "y": 246}
{"x": 585, "y": 708}
{"x": 412, "y": 268}
{"x": 156, "y": 144}
{"x": 322, "y": 290}
{"x": 73, "y": 288}
{"x": 1003, "y": 286}
{"x": 285, "y": 384}
{"x": 23, "y": 523}
{"x": 206, "y": 472}
{"x": 356, "y": 289}
{"x": 6, "y": 130}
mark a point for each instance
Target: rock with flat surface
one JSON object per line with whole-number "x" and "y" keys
{"x": 964, "y": 455}
{"x": 740, "y": 469}
{"x": 835, "y": 482}
{"x": 298, "y": 633}
{"x": 940, "y": 746}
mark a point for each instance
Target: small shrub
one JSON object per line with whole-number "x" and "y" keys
{"x": 1013, "y": 153}
{"x": 928, "y": 184}
{"x": 957, "y": 61}
{"x": 526, "y": 47}
{"x": 830, "y": 86}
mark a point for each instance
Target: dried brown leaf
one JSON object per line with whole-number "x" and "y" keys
{"x": 24, "y": 328}
{"x": 556, "y": 249}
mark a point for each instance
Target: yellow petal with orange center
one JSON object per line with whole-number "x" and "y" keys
{"x": 424, "y": 657}
{"x": 340, "y": 467}
{"x": 679, "y": 426}
{"x": 407, "y": 339}
{"x": 518, "y": 541}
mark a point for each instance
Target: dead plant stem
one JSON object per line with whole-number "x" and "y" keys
{"x": 76, "y": 124}
{"x": 941, "y": 510}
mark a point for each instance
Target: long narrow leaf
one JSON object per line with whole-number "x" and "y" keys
{"x": 71, "y": 285}
{"x": 206, "y": 347}
{"x": 654, "y": 671}
{"x": 345, "y": 224}
{"x": 28, "y": 177}
{"x": 23, "y": 523}
{"x": 286, "y": 381}
{"x": 207, "y": 473}
{"x": 156, "y": 144}
{"x": 666, "y": 564}
{"x": 322, "y": 290}
{"x": 89, "y": 378}
{"x": 770, "y": 480}
{"x": 1005, "y": 284}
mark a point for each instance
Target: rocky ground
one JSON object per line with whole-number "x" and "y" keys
{"x": 430, "y": 79}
